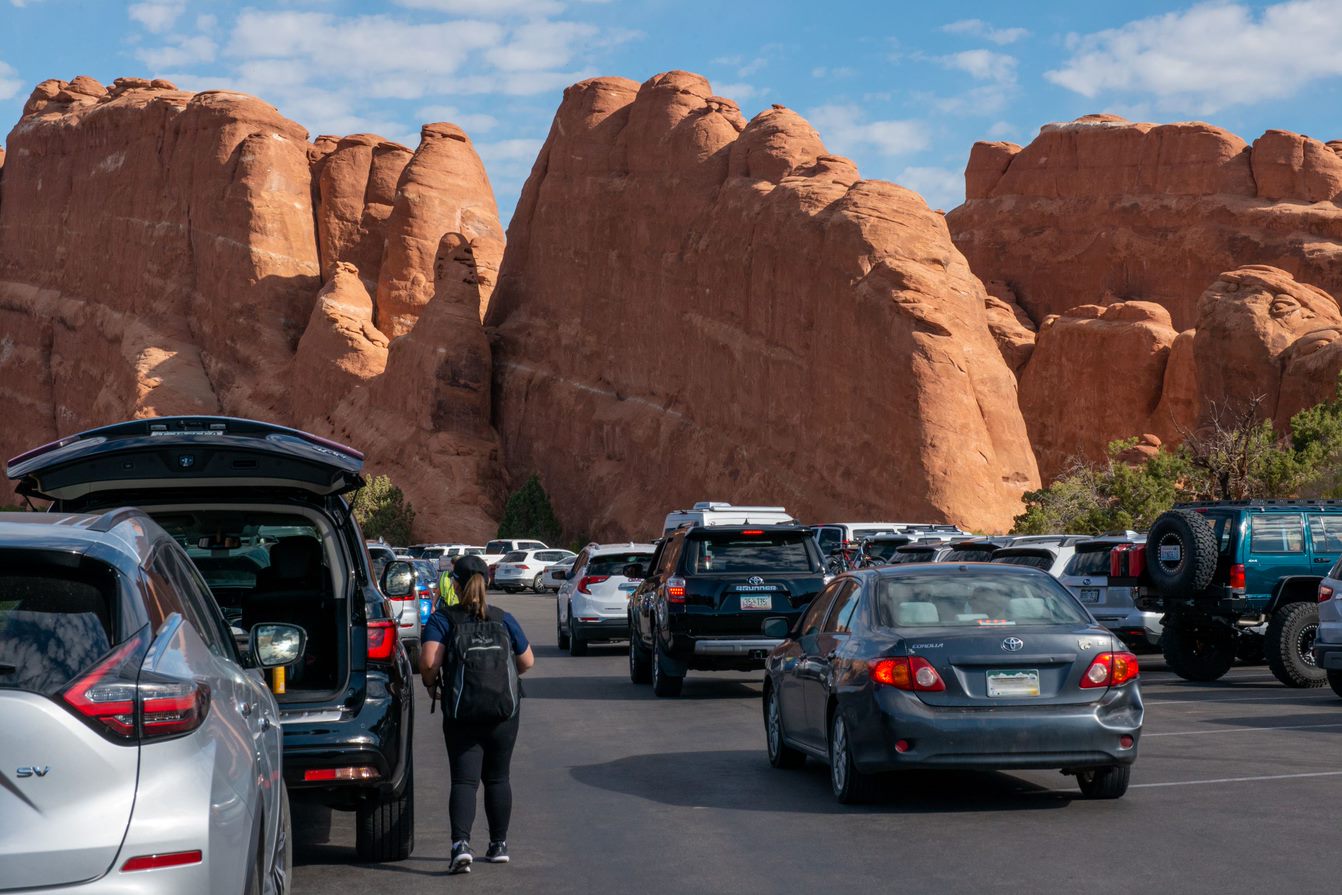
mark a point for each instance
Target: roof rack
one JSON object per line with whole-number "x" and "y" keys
{"x": 1260, "y": 502}
{"x": 112, "y": 518}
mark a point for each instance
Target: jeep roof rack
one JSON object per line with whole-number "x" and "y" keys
{"x": 1260, "y": 502}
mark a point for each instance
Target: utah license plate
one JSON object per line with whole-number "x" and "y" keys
{"x": 1090, "y": 595}
{"x": 757, "y": 602}
{"x": 1171, "y": 553}
{"x": 629, "y": 588}
{"x": 1014, "y": 683}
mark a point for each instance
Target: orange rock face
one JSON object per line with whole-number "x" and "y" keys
{"x": 158, "y": 255}
{"x": 692, "y": 306}
{"x": 1094, "y": 374}
{"x": 1101, "y": 206}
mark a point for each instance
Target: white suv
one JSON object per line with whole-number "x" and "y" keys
{"x": 593, "y": 600}
{"x": 495, "y": 550}
{"x": 521, "y": 569}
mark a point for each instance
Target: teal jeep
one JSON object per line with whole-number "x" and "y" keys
{"x": 1241, "y": 578}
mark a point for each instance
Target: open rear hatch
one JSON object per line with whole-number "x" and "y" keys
{"x": 187, "y": 452}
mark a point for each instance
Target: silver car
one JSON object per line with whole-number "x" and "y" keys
{"x": 1328, "y": 640}
{"x": 139, "y": 750}
{"x": 1087, "y": 577}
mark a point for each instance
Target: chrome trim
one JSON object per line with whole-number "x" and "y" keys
{"x": 733, "y": 647}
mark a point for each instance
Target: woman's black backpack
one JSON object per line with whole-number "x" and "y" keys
{"x": 479, "y": 672}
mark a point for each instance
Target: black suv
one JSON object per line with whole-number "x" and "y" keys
{"x": 260, "y": 511}
{"x": 708, "y": 593}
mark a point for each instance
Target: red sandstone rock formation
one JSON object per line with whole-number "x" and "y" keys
{"x": 158, "y": 255}
{"x": 1149, "y": 212}
{"x": 1095, "y": 376}
{"x": 695, "y": 307}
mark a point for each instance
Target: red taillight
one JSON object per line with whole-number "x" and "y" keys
{"x": 675, "y": 590}
{"x": 156, "y": 862}
{"x": 105, "y": 695}
{"x": 753, "y": 532}
{"x": 1237, "y": 577}
{"x": 1325, "y": 593}
{"x": 907, "y": 673}
{"x": 1110, "y": 670}
{"x": 381, "y": 639}
{"x": 172, "y": 707}
{"x": 587, "y": 581}
{"x": 328, "y": 775}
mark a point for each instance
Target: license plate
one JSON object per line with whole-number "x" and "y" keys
{"x": 1090, "y": 595}
{"x": 629, "y": 588}
{"x": 1171, "y": 553}
{"x": 1013, "y": 683}
{"x": 757, "y": 602}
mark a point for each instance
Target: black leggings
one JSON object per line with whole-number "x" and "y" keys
{"x": 479, "y": 752}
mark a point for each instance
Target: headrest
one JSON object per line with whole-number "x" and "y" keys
{"x": 1026, "y": 607}
{"x": 297, "y": 556}
{"x": 917, "y": 614}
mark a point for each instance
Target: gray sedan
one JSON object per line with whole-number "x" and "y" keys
{"x": 952, "y": 666}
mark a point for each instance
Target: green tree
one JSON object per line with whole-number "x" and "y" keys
{"x": 528, "y": 514}
{"x": 383, "y": 512}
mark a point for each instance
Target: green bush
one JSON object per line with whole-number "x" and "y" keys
{"x": 383, "y": 512}
{"x": 528, "y": 514}
{"x": 1236, "y": 456}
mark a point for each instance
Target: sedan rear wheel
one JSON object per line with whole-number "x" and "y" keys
{"x": 1104, "y": 783}
{"x": 850, "y": 786}
{"x": 538, "y": 584}
{"x": 781, "y": 755}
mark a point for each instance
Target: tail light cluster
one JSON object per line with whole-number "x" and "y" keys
{"x": 382, "y": 639}
{"x": 1237, "y": 577}
{"x": 675, "y": 590}
{"x": 121, "y": 702}
{"x": 585, "y": 582}
{"x": 907, "y": 673}
{"x": 1325, "y": 593}
{"x": 1110, "y": 670}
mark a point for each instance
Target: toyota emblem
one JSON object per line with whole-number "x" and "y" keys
{"x": 755, "y": 579}
{"x": 1012, "y": 644}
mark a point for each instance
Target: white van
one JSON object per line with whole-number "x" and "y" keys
{"x": 712, "y": 512}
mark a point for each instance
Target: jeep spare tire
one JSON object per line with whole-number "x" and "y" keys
{"x": 1181, "y": 552}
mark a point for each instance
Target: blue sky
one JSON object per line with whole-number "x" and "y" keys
{"x": 903, "y": 88}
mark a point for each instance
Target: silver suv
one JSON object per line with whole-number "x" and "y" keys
{"x": 1328, "y": 640}
{"x": 139, "y": 748}
{"x": 593, "y": 600}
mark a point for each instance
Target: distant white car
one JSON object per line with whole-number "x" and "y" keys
{"x": 550, "y": 578}
{"x": 593, "y": 602}
{"x": 448, "y": 551}
{"x": 713, "y": 512}
{"x": 522, "y": 569}
{"x": 496, "y": 550}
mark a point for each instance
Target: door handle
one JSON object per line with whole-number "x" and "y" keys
{"x": 1322, "y": 559}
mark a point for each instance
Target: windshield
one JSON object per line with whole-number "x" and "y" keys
{"x": 1041, "y": 561}
{"x": 860, "y": 534}
{"x": 614, "y": 563}
{"x": 973, "y": 600}
{"x": 902, "y": 556}
{"x": 737, "y": 552}
{"x": 493, "y": 548}
{"x": 970, "y": 554}
{"x": 1092, "y": 564}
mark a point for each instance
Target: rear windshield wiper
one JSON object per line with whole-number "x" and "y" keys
{"x": 6, "y": 668}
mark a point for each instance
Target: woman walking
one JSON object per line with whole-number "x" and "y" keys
{"x": 481, "y": 651}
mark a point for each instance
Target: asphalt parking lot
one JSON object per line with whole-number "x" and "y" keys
{"x": 617, "y": 790}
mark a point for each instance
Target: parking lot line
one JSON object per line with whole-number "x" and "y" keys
{"x": 1236, "y": 779}
{"x": 1316, "y": 696}
{"x": 1198, "y": 733}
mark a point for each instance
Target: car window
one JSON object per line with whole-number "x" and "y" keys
{"x": 55, "y": 620}
{"x": 614, "y": 563}
{"x": 970, "y": 554}
{"x": 728, "y": 552}
{"x": 671, "y": 556}
{"x": 815, "y": 613}
{"x": 1276, "y": 533}
{"x": 828, "y": 539}
{"x": 861, "y": 534}
{"x": 209, "y": 610}
{"x": 166, "y": 573}
{"x": 974, "y": 599}
{"x": 844, "y": 604}
{"x": 1092, "y": 564}
{"x": 531, "y": 545}
{"x": 903, "y": 556}
{"x": 1325, "y": 533}
{"x": 514, "y": 556}
{"x": 1041, "y": 561}
{"x": 494, "y": 548}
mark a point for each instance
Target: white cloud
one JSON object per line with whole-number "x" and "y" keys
{"x": 941, "y": 187}
{"x": 471, "y": 122}
{"x": 1001, "y": 129}
{"x": 206, "y": 22}
{"x": 10, "y": 85}
{"x": 510, "y": 150}
{"x": 825, "y": 71}
{"x": 984, "y": 65}
{"x": 181, "y": 52}
{"x": 485, "y": 8}
{"x": 843, "y": 129}
{"x": 980, "y": 28}
{"x": 540, "y": 45}
{"x": 1210, "y": 56}
{"x": 157, "y": 15}
{"x": 738, "y": 92}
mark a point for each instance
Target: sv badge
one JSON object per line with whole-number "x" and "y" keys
{"x": 33, "y": 772}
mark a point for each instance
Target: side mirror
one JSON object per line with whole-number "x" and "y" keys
{"x": 635, "y": 570}
{"x": 559, "y": 575}
{"x": 272, "y": 644}
{"x": 398, "y": 580}
{"x": 776, "y": 628}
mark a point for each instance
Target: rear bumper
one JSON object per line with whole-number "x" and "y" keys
{"x": 167, "y": 881}
{"x": 374, "y": 737}
{"x": 1328, "y": 655}
{"x": 605, "y": 629}
{"x": 726, "y": 653}
{"x": 1133, "y": 627}
{"x": 509, "y": 578}
{"x": 1047, "y": 737}
{"x": 748, "y": 647}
